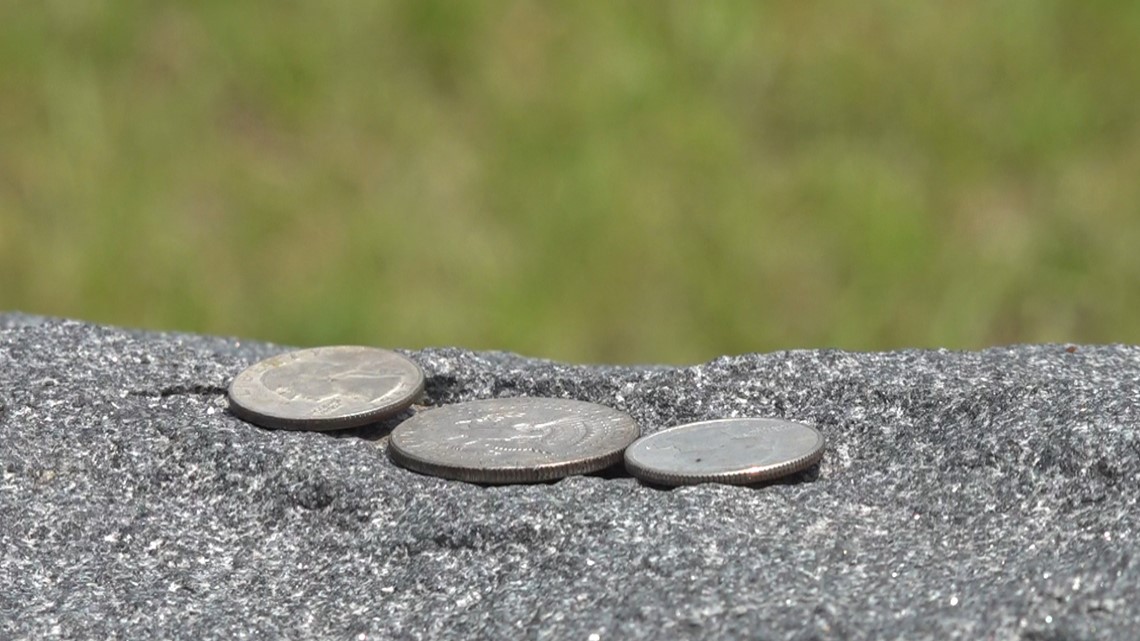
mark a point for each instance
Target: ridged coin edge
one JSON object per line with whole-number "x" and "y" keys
{"x": 504, "y": 476}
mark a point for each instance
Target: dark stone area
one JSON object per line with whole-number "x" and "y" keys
{"x": 963, "y": 495}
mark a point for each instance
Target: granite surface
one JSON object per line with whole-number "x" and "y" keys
{"x": 963, "y": 495}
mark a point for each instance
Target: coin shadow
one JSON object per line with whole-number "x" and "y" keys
{"x": 373, "y": 431}
{"x": 613, "y": 472}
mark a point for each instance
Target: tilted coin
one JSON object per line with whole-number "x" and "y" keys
{"x": 325, "y": 388}
{"x": 733, "y": 450}
{"x": 513, "y": 440}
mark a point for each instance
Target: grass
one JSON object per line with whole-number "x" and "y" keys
{"x": 604, "y": 182}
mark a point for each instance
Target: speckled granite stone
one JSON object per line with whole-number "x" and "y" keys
{"x": 964, "y": 495}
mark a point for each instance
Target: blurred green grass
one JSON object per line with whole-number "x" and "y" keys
{"x": 655, "y": 182}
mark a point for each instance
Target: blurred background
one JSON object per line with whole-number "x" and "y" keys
{"x": 595, "y": 182}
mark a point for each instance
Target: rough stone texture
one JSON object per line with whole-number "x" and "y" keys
{"x": 979, "y": 495}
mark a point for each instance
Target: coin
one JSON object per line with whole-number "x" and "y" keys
{"x": 736, "y": 451}
{"x": 513, "y": 440}
{"x": 325, "y": 388}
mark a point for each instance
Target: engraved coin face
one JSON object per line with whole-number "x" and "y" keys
{"x": 737, "y": 451}
{"x": 513, "y": 440}
{"x": 325, "y": 388}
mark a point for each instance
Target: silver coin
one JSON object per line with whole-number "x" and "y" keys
{"x": 513, "y": 440}
{"x": 733, "y": 450}
{"x": 325, "y": 388}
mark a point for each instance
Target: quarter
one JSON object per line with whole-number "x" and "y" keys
{"x": 325, "y": 388}
{"x": 736, "y": 451}
{"x": 513, "y": 440}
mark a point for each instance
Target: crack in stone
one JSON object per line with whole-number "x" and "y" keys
{"x": 182, "y": 390}
{"x": 472, "y": 539}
